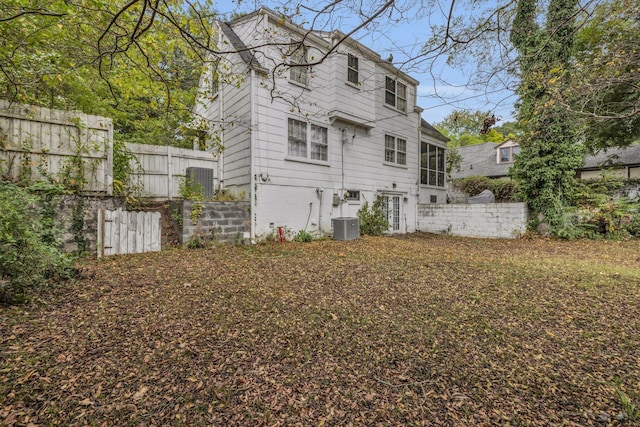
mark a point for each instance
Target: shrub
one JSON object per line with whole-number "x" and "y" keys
{"x": 303, "y": 236}
{"x": 502, "y": 188}
{"x": 373, "y": 221}
{"x": 29, "y": 256}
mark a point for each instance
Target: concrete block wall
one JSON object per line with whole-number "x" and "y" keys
{"x": 486, "y": 220}
{"x": 220, "y": 221}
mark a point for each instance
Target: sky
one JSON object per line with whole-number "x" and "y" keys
{"x": 402, "y": 34}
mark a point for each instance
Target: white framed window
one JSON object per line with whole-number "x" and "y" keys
{"x": 432, "y": 165}
{"x": 395, "y": 150}
{"x": 395, "y": 94}
{"x": 307, "y": 140}
{"x": 299, "y": 71}
{"x": 352, "y": 69}
{"x": 508, "y": 154}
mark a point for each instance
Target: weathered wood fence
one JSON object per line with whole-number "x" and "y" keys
{"x": 35, "y": 141}
{"x": 163, "y": 167}
{"x": 124, "y": 232}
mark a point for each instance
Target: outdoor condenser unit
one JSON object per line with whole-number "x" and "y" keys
{"x": 204, "y": 177}
{"x": 346, "y": 228}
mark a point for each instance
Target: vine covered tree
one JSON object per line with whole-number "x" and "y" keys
{"x": 550, "y": 154}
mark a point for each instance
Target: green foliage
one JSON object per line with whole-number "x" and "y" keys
{"x": 604, "y": 88}
{"x": 29, "y": 254}
{"x": 373, "y": 221}
{"x": 630, "y": 410}
{"x": 463, "y": 127}
{"x": 502, "y": 188}
{"x": 191, "y": 190}
{"x": 550, "y": 153}
{"x": 303, "y": 236}
{"x": 134, "y": 64}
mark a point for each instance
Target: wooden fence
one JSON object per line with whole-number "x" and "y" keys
{"x": 124, "y": 232}
{"x": 163, "y": 167}
{"x": 37, "y": 141}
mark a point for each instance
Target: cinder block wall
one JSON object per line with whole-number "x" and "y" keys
{"x": 220, "y": 221}
{"x": 490, "y": 220}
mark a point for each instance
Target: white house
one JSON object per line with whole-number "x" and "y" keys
{"x": 313, "y": 124}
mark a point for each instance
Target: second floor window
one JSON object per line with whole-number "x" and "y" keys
{"x": 395, "y": 94}
{"x": 307, "y": 140}
{"x": 395, "y": 150}
{"x": 299, "y": 71}
{"x": 432, "y": 165}
{"x": 352, "y": 69}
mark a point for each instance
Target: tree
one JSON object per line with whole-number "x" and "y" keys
{"x": 605, "y": 85}
{"x": 463, "y": 127}
{"x": 550, "y": 154}
{"x": 132, "y": 62}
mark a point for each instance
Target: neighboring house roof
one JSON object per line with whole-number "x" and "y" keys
{"x": 432, "y": 131}
{"x": 480, "y": 160}
{"x": 628, "y": 156}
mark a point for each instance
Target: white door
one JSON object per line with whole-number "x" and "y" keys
{"x": 391, "y": 208}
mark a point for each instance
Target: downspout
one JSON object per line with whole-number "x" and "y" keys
{"x": 220, "y": 116}
{"x": 252, "y": 145}
{"x": 343, "y": 137}
{"x": 222, "y": 130}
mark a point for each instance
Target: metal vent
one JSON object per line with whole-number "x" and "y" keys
{"x": 346, "y": 228}
{"x": 204, "y": 177}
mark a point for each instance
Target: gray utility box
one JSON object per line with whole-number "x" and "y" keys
{"x": 346, "y": 228}
{"x": 204, "y": 177}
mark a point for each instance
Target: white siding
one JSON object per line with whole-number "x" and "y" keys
{"x": 286, "y": 188}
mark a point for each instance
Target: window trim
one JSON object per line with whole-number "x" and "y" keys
{"x": 440, "y": 163}
{"x": 352, "y": 69}
{"x": 298, "y": 64}
{"x": 512, "y": 155}
{"x": 308, "y": 134}
{"x": 395, "y": 92}
{"x": 395, "y": 150}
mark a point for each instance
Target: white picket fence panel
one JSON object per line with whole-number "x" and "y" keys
{"x": 124, "y": 232}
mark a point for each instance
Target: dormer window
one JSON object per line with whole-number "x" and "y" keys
{"x": 395, "y": 94}
{"x": 508, "y": 154}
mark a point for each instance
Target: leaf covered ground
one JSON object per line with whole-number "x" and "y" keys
{"x": 411, "y": 330}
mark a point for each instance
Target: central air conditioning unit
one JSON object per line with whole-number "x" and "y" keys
{"x": 204, "y": 177}
{"x": 346, "y": 228}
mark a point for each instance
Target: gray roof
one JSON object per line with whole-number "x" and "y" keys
{"x": 239, "y": 45}
{"x": 435, "y": 132}
{"x": 480, "y": 160}
{"x": 629, "y": 156}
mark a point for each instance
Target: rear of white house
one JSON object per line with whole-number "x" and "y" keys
{"x": 313, "y": 125}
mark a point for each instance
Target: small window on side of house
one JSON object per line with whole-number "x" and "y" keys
{"x": 352, "y": 195}
{"x": 352, "y": 69}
